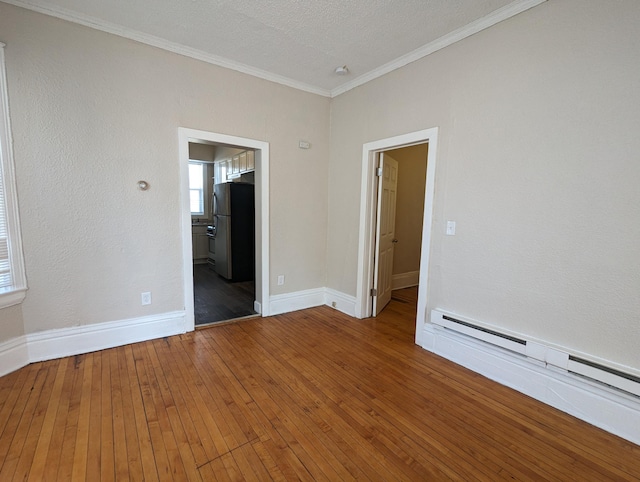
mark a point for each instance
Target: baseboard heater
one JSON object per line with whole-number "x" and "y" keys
{"x": 601, "y": 373}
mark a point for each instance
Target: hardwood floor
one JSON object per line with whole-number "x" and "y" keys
{"x": 216, "y": 299}
{"x": 311, "y": 395}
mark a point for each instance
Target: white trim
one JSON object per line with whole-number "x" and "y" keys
{"x": 298, "y": 300}
{"x": 152, "y": 40}
{"x": 16, "y": 293}
{"x": 57, "y": 343}
{"x": 13, "y": 355}
{"x": 185, "y": 136}
{"x": 47, "y": 345}
{"x": 301, "y": 300}
{"x": 484, "y": 333}
{"x": 405, "y": 280}
{"x": 541, "y": 350}
{"x": 462, "y": 33}
{"x": 595, "y": 403}
{"x": 343, "y": 302}
{"x": 504, "y": 13}
{"x": 366, "y": 233}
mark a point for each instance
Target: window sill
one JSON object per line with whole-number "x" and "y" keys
{"x": 14, "y": 297}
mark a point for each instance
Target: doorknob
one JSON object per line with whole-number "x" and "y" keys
{"x": 394, "y": 241}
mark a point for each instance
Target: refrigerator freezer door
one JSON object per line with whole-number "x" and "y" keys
{"x": 222, "y": 199}
{"x": 223, "y": 246}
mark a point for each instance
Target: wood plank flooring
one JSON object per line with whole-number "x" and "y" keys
{"x": 311, "y": 395}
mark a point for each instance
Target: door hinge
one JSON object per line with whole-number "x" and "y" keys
{"x": 379, "y": 172}
{"x": 374, "y": 292}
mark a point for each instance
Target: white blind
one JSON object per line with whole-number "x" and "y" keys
{"x": 5, "y": 266}
{"x": 13, "y": 281}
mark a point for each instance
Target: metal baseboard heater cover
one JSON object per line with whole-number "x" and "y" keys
{"x": 612, "y": 377}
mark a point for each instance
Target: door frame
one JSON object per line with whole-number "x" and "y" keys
{"x": 186, "y": 135}
{"x": 368, "y": 213}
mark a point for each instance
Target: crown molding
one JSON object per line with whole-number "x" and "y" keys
{"x": 504, "y": 13}
{"x": 167, "y": 45}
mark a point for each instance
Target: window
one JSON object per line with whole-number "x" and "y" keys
{"x": 196, "y": 188}
{"x": 13, "y": 282}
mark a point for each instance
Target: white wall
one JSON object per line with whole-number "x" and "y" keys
{"x": 92, "y": 114}
{"x": 11, "y": 323}
{"x": 537, "y": 164}
{"x": 202, "y": 152}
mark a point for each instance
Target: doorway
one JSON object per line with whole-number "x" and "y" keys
{"x": 368, "y": 218}
{"x": 399, "y": 222}
{"x": 261, "y": 224}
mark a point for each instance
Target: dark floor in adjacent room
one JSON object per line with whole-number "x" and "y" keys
{"x": 216, "y": 299}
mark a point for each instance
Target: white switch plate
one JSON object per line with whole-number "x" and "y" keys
{"x": 280, "y": 280}
{"x": 146, "y": 298}
{"x": 451, "y": 228}
{"x": 304, "y": 145}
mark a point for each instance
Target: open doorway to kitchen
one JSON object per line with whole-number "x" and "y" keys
{"x": 222, "y": 204}
{"x": 224, "y": 186}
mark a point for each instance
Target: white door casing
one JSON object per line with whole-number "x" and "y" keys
{"x": 261, "y": 148}
{"x": 385, "y": 232}
{"x": 366, "y": 234}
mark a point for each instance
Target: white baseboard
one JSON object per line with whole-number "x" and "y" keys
{"x": 612, "y": 410}
{"x": 13, "y": 355}
{"x": 50, "y": 344}
{"x": 405, "y": 280}
{"x": 343, "y": 303}
{"x": 298, "y": 300}
{"x": 87, "y": 338}
{"x": 301, "y": 300}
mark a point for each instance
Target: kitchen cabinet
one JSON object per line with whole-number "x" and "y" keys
{"x": 251, "y": 161}
{"x": 235, "y": 164}
{"x": 199, "y": 244}
{"x": 239, "y": 164}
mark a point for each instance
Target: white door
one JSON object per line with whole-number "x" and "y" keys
{"x": 385, "y": 232}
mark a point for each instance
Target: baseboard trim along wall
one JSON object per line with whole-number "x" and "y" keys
{"x": 341, "y": 302}
{"x": 405, "y": 280}
{"x": 613, "y": 410}
{"x": 301, "y": 300}
{"x": 298, "y": 300}
{"x": 50, "y": 344}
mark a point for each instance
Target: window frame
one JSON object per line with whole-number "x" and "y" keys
{"x": 204, "y": 189}
{"x": 15, "y": 293}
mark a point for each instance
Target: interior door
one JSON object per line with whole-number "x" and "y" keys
{"x": 385, "y": 232}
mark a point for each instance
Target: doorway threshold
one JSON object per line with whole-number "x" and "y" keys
{"x": 213, "y": 324}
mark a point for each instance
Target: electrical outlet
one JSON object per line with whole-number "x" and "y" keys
{"x": 146, "y": 298}
{"x": 280, "y": 280}
{"x": 333, "y": 304}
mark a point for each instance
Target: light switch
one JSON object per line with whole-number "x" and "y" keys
{"x": 451, "y": 228}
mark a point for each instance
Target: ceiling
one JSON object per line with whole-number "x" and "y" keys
{"x": 293, "y": 42}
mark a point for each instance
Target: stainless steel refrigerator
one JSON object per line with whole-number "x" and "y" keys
{"x": 234, "y": 228}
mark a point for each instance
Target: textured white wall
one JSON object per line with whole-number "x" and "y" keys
{"x": 537, "y": 163}
{"x": 11, "y": 323}
{"x": 92, "y": 114}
